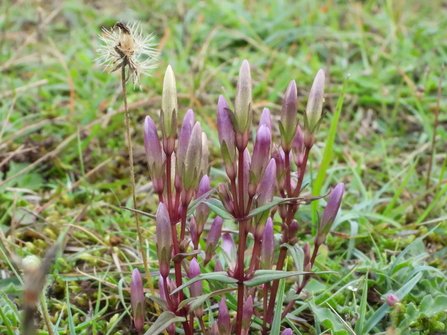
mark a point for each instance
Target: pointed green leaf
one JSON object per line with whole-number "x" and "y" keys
{"x": 264, "y": 276}
{"x": 217, "y": 207}
{"x": 196, "y": 302}
{"x": 193, "y": 205}
{"x": 221, "y": 276}
{"x": 163, "y": 321}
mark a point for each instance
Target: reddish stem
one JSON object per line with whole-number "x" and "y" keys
{"x": 240, "y": 276}
{"x": 241, "y": 245}
{"x": 302, "y": 170}
{"x": 168, "y": 186}
{"x": 288, "y": 168}
{"x": 240, "y": 181}
{"x": 234, "y": 192}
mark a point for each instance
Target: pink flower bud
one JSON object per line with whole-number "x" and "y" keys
{"x": 298, "y": 147}
{"x": 169, "y": 111}
{"x": 247, "y": 313}
{"x": 266, "y": 191}
{"x": 214, "y": 329}
{"x": 306, "y": 251}
{"x": 260, "y": 159}
{"x": 204, "y": 160}
{"x": 154, "y": 154}
{"x": 191, "y": 167}
{"x": 226, "y": 197}
{"x": 225, "y": 128}
{"x": 194, "y": 271}
{"x": 202, "y": 211}
{"x": 137, "y": 300}
{"x": 229, "y": 247}
{"x": 314, "y": 109}
{"x": 184, "y": 136}
{"x": 287, "y": 331}
{"x": 163, "y": 239}
{"x": 268, "y": 246}
{"x": 266, "y": 119}
{"x": 223, "y": 319}
{"x": 293, "y": 229}
{"x": 330, "y": 213}
{"x": 196, "y": 288}
{"x": 392, "y": 299}
{"x": 242, "y": 104}
{"x": 289, "y": 116}
{"x": 213, "y": 238}
{"x": 218, "y": 266}
{"x": 279, "y": 156}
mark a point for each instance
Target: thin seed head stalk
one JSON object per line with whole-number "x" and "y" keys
{"x": 125, "y": 47}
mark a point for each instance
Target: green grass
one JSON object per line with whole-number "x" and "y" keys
{"x": 59, "y": 109}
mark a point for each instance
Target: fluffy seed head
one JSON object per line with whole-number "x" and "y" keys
{"x": 125, "y": 45}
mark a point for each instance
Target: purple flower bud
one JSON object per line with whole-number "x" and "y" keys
{"x": 225, "y": 129}
{"x": 261, "y": 157}
{"x": 213, "y": 238}
{"x": 279, "y": 156}
{"x": 292, "y": 232}
{"x": 266, "y": 191}
{"x": 204, "y": 186}
{"x": 298, "y": 147}
{"x": 214, "y": 329}
{"x": 247, "y": 313}
{"x": 163, "y": 239}
{"x": 196, "y": 288}
{"x": 169, "y": 110}
{"x": 266, "y": 119}
{"x": 202, "y": 211}
{"x": 247, "y": 164}
{"x": 330, "y": 213}
{"x": 162, "y": 288}
{"x": 137, "y": 300}
{"x": 229, "y": 247}
{"x": 392, "y": 299}
{"x": 184, "y": 136}
{"x": 268, "y": 246}
{"x": 218, "y": 266}
{"x": 154, "y": 154}
{"x": 287, "y": 331}
{"x": 226, "y": 198}
{"x": 289, "y": 116}
{"x": 191, "y": 167}
{"x": 223, "y": 319}
{"x": 312, "y": 115}
{"x": 204, "y": 162}
{"x": 242, "y": 103}
{"x": 194, "y": 271}
{"x": 267, "y": 186}
{"x": 306, "y": 251}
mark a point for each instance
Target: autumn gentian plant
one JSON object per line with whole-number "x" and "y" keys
{"x": 261, "y": 196}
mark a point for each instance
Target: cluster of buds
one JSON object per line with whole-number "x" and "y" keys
{"x": 178, "y": 165}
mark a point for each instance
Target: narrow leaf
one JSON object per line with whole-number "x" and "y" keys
{"x": 217, "y": 207}
{"x": 163, "y": 321}
{"x": 219, "y": 276}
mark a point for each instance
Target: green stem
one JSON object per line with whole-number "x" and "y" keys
{"x": 46, "y": 315}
